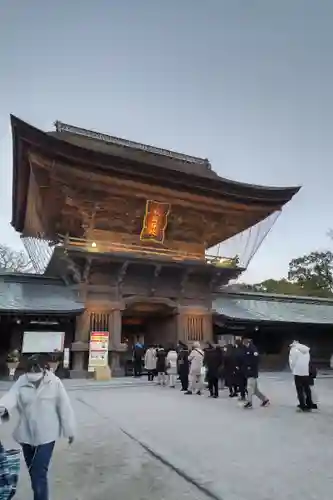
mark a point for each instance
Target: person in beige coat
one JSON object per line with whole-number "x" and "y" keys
{"x": 196, "y": 359}
{"x": 171, "y": 363}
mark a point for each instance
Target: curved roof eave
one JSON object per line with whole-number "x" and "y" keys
{"x": 21, "y": 130}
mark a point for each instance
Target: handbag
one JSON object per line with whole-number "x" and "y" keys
{"x": 9, "y": 472}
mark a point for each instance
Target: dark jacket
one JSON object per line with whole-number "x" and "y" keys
{"x": 213, "y": 360}
{"x": 239, "y": 358}
{"x": 161, "y": 361}
{"x": 182, "y": 361}
{"x": 250, "y": 367}
{"x": 312, "y": 370}
{"x": 138, "y": 352}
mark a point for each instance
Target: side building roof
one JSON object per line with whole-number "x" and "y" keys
{"x": 33, "y": 294}
{"x": 265, "y": 308}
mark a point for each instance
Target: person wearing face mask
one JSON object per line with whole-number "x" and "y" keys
{"x": 45, "y": 414}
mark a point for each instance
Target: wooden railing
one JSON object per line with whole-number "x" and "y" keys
{"x": 143, "y": 250}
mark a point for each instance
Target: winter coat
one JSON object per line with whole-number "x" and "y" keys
{"x": 45, "y": 412}
{"x": 183, "y": 363}
{"x": 251, "y": 362}
{"x": 161, "y": 361}
{"x": 213, "y": 360}
{"x": 299, "y": 359}
{"x": 150, "y": 359}
{"x": 196, "y": 359}
{"x": 138, "y": 352}
{"x": 171, "y": 362}
{"x": 239, "y": 358}
{"x": 312, "y": 370}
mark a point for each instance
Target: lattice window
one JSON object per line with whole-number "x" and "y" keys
{"x": 99, "y": 322}
{"x": 194, "y": 329}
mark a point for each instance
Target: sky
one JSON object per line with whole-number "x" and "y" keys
{"x": 245, "y": 83}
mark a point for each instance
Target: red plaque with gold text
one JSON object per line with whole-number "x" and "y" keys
{"x": 155, "y": 221}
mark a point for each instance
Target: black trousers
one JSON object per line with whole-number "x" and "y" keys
{"x": 303, "y": 389}
{"x": 242, "y": 385}
{"x": 137, "y": 367}
{"x": 151, "y": 375}
{"x": 183, "y": 376}
{"x": 213, "y": 385}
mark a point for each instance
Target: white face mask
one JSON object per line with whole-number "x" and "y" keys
{"x": 34, "y": 377}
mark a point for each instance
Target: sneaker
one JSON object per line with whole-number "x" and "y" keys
{"x": 303, "y": 410}
{"x": 314, "y": 406}
{"x": 188, "y": 393}
{"x": 199, "y": 393}
{"x": 265, "y": 403}
{"x": 248, "y": 405}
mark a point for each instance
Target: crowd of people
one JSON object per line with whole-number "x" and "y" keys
{"x": 235, "y": 366}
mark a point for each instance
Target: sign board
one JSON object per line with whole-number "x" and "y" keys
{"x": 42, "y": 342}
{"x": 155, "y": 221}
{"x": 98, "y": 350}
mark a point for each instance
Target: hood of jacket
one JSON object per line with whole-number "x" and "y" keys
{"x": 303, "y": 349}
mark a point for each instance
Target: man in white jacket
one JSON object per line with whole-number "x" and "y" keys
{"x": 299, "y": 359}
{"x": 45, "y": 414}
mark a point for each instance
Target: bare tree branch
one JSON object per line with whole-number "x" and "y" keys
{"x": 12, "y": 261}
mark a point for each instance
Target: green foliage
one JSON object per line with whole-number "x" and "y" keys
{"x": 313, "y": 272}
{"x": 309, "y": 275}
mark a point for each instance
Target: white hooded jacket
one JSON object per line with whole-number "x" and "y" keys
{"x": 299, "y": 359}
{"x": 45, "y": 412}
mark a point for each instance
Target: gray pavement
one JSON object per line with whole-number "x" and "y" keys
{"x": 264, "y": 454}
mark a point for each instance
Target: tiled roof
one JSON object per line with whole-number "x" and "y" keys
{"x": 251, "y": 307}
{"x": 24, "y": 293}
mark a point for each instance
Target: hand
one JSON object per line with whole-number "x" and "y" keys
{"x": 71, "y": 440}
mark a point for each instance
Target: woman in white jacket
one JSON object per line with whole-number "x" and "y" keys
{"x": 171, "y": 363}
{"x": 45, "y": 414}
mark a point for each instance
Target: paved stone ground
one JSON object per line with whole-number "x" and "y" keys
{"x": 264, "y": 454}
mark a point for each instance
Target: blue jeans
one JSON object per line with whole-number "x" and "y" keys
{"x": 38, "y": 460}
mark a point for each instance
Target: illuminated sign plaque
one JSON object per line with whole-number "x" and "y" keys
{"x": 155, "y": 221}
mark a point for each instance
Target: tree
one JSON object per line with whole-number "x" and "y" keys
{"x": 282, "y": 286}
{"x": 12, "y": 261}
{"x": 310, "y": 275}
{"x": 313, "y": 273}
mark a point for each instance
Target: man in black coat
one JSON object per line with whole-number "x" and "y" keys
{"x": 251, "y": 371}
{"x": 229, "y": 370}
{"x": 183, "y": 365}
{"x": 213, "y": 360}
{"x": 240, "y": 373}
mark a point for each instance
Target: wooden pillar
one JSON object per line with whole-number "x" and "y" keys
{"x": 194, "y": 325}
{"x": 81, "y": 336}
{"x": 115, "y": 328}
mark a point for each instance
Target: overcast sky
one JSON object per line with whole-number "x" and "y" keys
{"x": 246, "y": 83}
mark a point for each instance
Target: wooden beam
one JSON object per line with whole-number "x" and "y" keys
{"x": 139, "y": 189}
